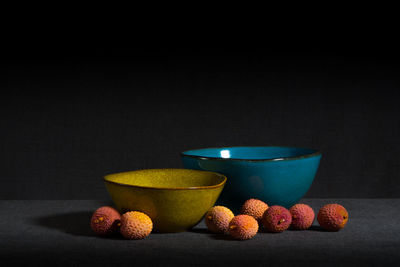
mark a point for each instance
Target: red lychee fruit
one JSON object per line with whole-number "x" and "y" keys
{"x": 332, "y": 217}
{"x": 255, "y": 208}
{"x": 302, "y": 216}
{"x": 276, "y": 219}
{"x": 135, "y": 225}
{"x": 243, "y": 227}
{"x": 218, "y": 218}
{"x": 105, "y": 221}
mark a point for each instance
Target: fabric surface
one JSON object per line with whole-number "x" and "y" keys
{"x": 58, "y": 232}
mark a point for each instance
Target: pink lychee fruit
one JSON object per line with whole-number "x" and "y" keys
{"x": 243, "y": 227}
{"x": 135, "y": 225}
{"x": 276, "y": 219}
{"x": 255, "y": 208}
{"x": 302, "y": 216}
{"x": 332, "y": 217}
{"x": 218, "y": 218}
{"x": 105, "y": 221}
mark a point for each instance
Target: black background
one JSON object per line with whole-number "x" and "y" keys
{"x": 69, "y": 116}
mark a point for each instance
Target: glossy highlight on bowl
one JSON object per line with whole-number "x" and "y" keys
{"x": 276, "y": 175}
{"x": 174, "y": 199}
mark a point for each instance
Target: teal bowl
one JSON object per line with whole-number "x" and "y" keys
{"x": 276, "y": 175}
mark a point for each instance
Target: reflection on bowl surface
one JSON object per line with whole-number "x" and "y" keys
{"x": 175, "y": 199}
{"x": 276, "y": 175}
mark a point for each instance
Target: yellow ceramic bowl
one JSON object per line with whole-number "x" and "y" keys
{"x": 175, "y": 199}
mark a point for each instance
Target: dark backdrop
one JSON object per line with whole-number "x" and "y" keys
{"x": 69, "y": 117}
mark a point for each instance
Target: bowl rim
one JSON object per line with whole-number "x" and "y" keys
{"x": 313, "y": 154}
{"x": 168, "y": 188}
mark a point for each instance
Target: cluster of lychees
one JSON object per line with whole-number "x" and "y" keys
{"x": 132, "y": 225}
{"x": 256, "y": 213}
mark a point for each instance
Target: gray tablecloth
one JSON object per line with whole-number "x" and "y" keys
{"x": 58, "y": 232}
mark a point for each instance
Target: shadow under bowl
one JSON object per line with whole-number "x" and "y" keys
{"x": 276, "y": 175}
{"x": 175, "y": 199}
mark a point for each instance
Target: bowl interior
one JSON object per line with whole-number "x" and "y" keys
{"x": 167, "y": 178}
{"x": 251, "y": 153}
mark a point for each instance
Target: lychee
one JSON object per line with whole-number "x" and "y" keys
{"x": 135, "y": 225}
{"x": 255, "y": 208}
{"x": 105, "y": 221}
{"x": 333, "y": 217}
{"x": 218, "y": 218}
{"x": 276, "y": 219}
{"x": 302, "y": 216}
{"x": 243, "y": 227}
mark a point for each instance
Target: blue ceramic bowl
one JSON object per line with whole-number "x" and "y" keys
{"x": 276, "y": 175}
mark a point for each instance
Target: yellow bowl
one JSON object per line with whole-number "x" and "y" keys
{"x": 175, "y": 199}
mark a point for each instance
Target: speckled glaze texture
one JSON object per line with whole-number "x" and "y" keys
{"x": 275, "y": 175}
{"x": 276, "y": 219}
{"x": 302, "y": 216}
{"x": 332, "y": 217}
{"x": 174, "y": 199}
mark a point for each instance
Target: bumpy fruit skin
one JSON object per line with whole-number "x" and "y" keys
{"x": 332, "y": 217}
{"x": 135, "y": 225}
{"x": 255, "y": 208}
{"x": 243, "y": 227}
{"x": 218, "y": 218}
{"x": 302, "y": 216}
{"x": 105, "y": 221}
{"x": 276, "y": 219}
